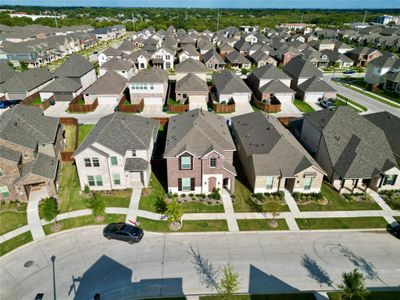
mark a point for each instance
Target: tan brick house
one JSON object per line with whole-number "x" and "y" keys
{"x": 30, "y": 146}
{"x": 199, "y": 153}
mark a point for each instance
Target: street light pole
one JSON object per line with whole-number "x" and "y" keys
{"x": 53, "y": 260}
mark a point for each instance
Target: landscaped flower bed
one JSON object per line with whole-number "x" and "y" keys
{"x": 210, "y": 199}
{"x": 392, "y": 198}
{"x": 359, "y": 197}
{"x": 15, "y": 205}
{"x": 307, "y": 198}
{"x": 262, "y": 198}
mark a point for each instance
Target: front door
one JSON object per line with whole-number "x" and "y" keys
{"x": 135, "y": 178}
{"x": 212, "y": 183}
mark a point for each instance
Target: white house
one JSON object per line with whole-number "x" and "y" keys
{"x": 116, "y": 154}
{"x": 163, "y": 58}
{"x": 229, "y": 86}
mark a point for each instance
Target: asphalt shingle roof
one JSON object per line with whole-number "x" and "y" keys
{"x": 228, "y": 83}
{"x": 301, "y": 67}
{"x": 26, "y": 81}
{"x": 191, "y": 83}
{"x": 153, "y": 75}
{"x": 315, "y": 84}
{"x": 62, "y": 84}
{"x": 75, "y": 66}
{"x": 190, "y": 65}
{"x": 111, "y": 83}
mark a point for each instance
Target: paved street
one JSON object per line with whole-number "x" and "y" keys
{"x": 372, "y": 104}
{"x": 176, "y": 264}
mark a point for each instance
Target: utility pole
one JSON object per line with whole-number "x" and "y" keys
{"x": 365, "y": 16}
{"x": 133, "y": 23}
{"x": 218, "y": 21}
{"x": 302, "y": 17}
{"x": 55, "y": 19}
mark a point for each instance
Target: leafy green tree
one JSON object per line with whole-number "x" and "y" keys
{"x": 230, "y": 282}
{"x": 353, "y": 285}
{"x": 174, "y": 211}
{"x": 49, "y": 209}
{"x": 97, "y": 205}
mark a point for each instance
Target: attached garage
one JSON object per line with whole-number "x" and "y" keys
{"x": 153, "y": 101}
{"x": 197, "y": 101}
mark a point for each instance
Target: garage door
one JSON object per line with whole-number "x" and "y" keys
{"x": 241, "y": 98}
{"x": 153, "y": 101}
{"x": 107, "y": 100}
{"x": 284, "y": 98}
{"x": 313, "y": 97}
{"x": 197, "y": 101}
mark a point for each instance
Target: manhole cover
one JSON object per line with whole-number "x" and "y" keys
{"x": 28, "y": 264}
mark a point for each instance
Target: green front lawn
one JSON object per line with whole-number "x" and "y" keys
{"x": 196, "y": 207}
{"x": 397, "y": 219}
{"x": 84, "y": 131}
{"x": 260, "y": 225}
{"x": 71, "y": 199}
{"x": 16, "y": 242}
{"x": 358, "y": 105}
{"x": 243, "y": 203}
{"x": 297, "y": 296}
{"x": 37, "y": 101}
{"x": 11, "y": 220}
{"x": 303, "y": 106}
{"x": 84, "y": 221}
{"x": 373, "y": 295}
{"x": 342, "y": 223}
{"x": 188, "y": 226}
{"x": 152, "y": 198}
{"x": 338, "y": 202}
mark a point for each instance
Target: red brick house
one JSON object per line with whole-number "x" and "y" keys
{"x": 199, "y": 153}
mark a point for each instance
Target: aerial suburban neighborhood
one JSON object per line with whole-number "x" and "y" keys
{"x": 240, "y": 160}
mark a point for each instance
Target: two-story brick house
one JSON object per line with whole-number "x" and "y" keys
{"x": 199, "y": 153}
{"x": 30, "y": 146}
{"x": 117, "y": 153}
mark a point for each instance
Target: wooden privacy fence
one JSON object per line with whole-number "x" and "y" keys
{"x": 223, "y": 107}
{"x": 178, "y": 108}
{"x": 130, "y": 108}
{"x": 77, "y": 106}
{"x": 273, "y": 107}
{"x": 43, "y": 105}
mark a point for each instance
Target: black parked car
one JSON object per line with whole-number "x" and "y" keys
{"x": 123, "y": 232}
{"x": 395, "y": 230}
{"x": 8, "y": 103}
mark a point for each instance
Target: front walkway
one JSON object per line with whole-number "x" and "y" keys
{"x": 32, "y": 213}
{"x": 229, "y": 212}
{"x": 378, "y": 199}
{"x": 134, "y": 205}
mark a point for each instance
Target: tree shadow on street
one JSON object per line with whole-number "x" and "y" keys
{"x": 207, "y": 272}
{"x": 360, "y": 263}
{"x": 315, "y": 271}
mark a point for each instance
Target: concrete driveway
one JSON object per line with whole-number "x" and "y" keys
{"x": 177, "y": 264}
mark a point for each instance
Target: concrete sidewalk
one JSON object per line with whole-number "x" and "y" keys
{"x": 32, "y": 213}
{"x": 229, "y": 212}
{"x": 134, "y": 205}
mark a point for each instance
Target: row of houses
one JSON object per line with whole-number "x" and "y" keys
{"x": 202, "y": 152}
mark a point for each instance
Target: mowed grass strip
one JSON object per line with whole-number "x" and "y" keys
{"x": 261, "y": 225}
{"x": 15, "y": 242}
{"x": 11, "y": 220}
{"x": 342, "y": 223}
{"x": 188, "y": 226}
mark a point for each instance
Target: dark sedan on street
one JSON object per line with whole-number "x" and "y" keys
{"x": 123, "y": 232}
{"x": 394, "y": 230}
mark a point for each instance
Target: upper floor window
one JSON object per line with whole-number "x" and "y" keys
{"x": 167, "y": 57}
{"x": 96, "y": 162}
{"x": 88, "y": 163}
{"x": 116, "y": 179}
{"x": 186, "y": 163}
{"x": 114, "y": 161}
{"x": 390, "y": 180}
{"x": 213, "y": 162}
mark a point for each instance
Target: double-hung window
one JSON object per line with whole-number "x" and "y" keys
{"x": 186, "y": 184}
{"x": 116, "y": 179}
{"x": 4, "y": 191}
{"x": 114, "y": 161}
{"x": 88, "y": 162}
{"x": 270, "y": 182}
{"x": 213, "y": 162}
{"x": 96, "y": 162}
{"x": 186, "y": 163}
{"x": 307, "y": 182}
{"x": 91, "y": 181}
{"x": 99, "y": 180}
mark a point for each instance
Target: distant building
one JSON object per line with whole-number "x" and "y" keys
{"x": 385, "y": 19}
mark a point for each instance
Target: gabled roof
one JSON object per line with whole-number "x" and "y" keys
{"x": 10, "y": 154}
{"x": 390, "y": 124}
{"x": 191, "y": 83}
{"x": 197, "y": 132}
{"x": 212, "y": 53}
{"x": 153, "y": 75}
{"x": 190, "y": 65}
{"x": 242, "y": 45}
{"x": 275, "y": 86}
{"x": 44, "y": 166}
{"x": 121, "y": 132}
{"x": 62, "y": 84}
{"x": 111, "y": 83}
{"x": 386, "y": 61}
{"x": 127, "y": 46}
{"x": 357, "y": 148}
{"x": 190, "y": 50}
{"x": 315, "y": 84}
{"x": 301, "y": 67}
{"x": 6, "y": 71}
{"x": 269, "y": 72}
{"x": 75, "y": 66}
{"x": 136, "y": 54}
{"x": 228, "y": 83}
{"x": 260, "y": 55}
{"x": 111, "y": 51}
{"x": 26, "y": 81}
{"x": 235, "y": 57}
{"x": 27, "y": 126}
{"x": 116, "y": 64}
{"x": 270, "y": 148}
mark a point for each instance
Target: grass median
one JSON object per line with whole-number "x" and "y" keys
{"x": 373, "y": 295}
{"x": 342, "y": 223}
{"x": 260, "y": 225}
{"x": 296, "y": 296}
{"x": 16, "y": 242}
{"x": 188, "y": 226}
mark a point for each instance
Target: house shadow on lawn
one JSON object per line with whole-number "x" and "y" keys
{"x": 112, "y": 280}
